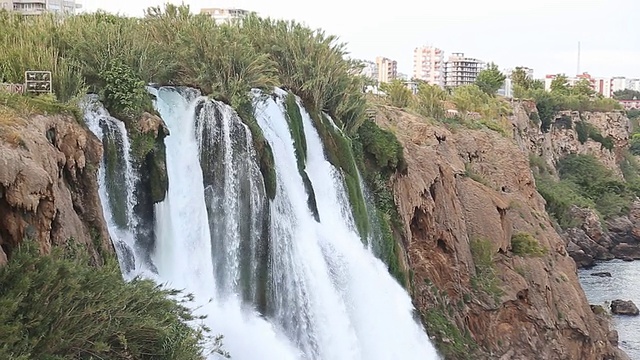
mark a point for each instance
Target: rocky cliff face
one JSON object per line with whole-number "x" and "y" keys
{"x": 589, "y": 241}
{"x": 48, "y": 185}
{"x": 563, "y": 138}
{"x": 467, "y": 202}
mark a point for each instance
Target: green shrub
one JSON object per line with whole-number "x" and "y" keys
{"x": 586, "y": 183}
{"x": 634, "y": 144}
{"x": 523, "y": 244}
{"x": 586, "y": 131}
{"x": 560, "y": 196}
{"x": 383, "y": 146}
{"x": 58, "y": 307}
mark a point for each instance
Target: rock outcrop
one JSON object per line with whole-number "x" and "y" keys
{"x": 48, "y": 185}
{"x": 589, "y": 241}
{"x": 622, "y": 307}
{"x": 465, "y": 196}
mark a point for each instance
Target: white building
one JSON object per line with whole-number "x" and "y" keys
{"x": 633, "y": 84}
{"x": 461, "y": 70}
{"x": 38, "y": 7}
{"x": 222, "y": 15}
{"x": 506, "y": 89}
{"x": 618, "y": 83}
{"x": 370, "y": 70}
{"x": 428, "y": 65}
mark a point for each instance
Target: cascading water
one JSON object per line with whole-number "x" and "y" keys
{"x": 117, "y": 179}
{"x": 333, "y": 297}
{"x": 274, "y": 281}
{"x": 183, "y": 236}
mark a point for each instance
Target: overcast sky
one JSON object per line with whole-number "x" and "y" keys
{"x": 541, "y": 34}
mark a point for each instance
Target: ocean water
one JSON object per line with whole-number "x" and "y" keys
{"x": 623, "y": 284}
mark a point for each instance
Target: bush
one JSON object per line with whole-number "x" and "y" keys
{"x": 587, "y": 131}
{"x": 58, "y": 307}
{"x": 523, "y": 244}
{"x": 586, "y": 183}
{"x": 383, "y": 146}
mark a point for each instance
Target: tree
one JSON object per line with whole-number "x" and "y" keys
{"x": 560, "y": 85}
{"x": 469, "y": 98}
{"x": 428, "y": 101}
{"x": 626, "y": 94}
{"x": 490, "y": 79}
{"x": 520, "y": 78}
{"x": 397, "y": 93}
{"x": 582, "y": 87}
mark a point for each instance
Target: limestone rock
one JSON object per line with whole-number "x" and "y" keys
{"x": 540, "y": 310}
{"x": 48, "y": 186}
{"x": 622, "y": 307}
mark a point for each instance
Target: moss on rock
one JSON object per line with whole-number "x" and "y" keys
{"x": 338, "y": 150}
{"x": 294, "y": 119}
{"x": 260, "y": 144}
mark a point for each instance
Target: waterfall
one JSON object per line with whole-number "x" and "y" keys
{"x": 277, "y": 283}
{"x": 333, "y": 297}
{"x": 117, "y": 178}
{"x": 184, "y": 239}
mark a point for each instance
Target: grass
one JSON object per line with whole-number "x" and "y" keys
{"x": 485, "y": 279}
{"x": 524, "y": 244}
{"x": 58, "y": 307}
{"x": 17, "y": 105}
{"x": 449, "y": 339}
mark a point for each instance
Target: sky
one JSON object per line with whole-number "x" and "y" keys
{"x": 540, "y": 34}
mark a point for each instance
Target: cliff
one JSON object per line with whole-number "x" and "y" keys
{"x": 48, "y": 184}
{"x": 489, "y": 273}
{"x": 590, "y": 236}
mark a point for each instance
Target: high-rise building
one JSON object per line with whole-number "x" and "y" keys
{"x": 633, "y": 84}
{"x": 387, "y": 69}
{"x": 461, "y": 70}
{"x": 428, "y": 65}
{"x": 618, "y": 83}
{"x": 37, "y": 7}
{"x": 222, "y": 15}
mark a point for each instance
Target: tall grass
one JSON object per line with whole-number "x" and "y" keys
{"x": 171, "y": 46}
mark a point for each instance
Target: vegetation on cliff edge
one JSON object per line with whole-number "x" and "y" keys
{"x": 58, "y": 307}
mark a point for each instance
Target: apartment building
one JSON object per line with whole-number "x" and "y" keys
{"x": 37, "y": 7}
{"x": 222, "y": 15}
{"x": 461, "y": 70}
{"x": 429, "y": 65}
{"x": 387, "y": 69}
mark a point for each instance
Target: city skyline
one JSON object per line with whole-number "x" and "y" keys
{"x": 542, "y": 35}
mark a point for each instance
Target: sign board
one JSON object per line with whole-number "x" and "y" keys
{"x": 38, "y": 81}
{"x": 12, "y": 88}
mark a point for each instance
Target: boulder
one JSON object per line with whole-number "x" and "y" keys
{"x": 582, "y": 259}
{"x": 625, "y": 250}
{"x": 622, "y": 307}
